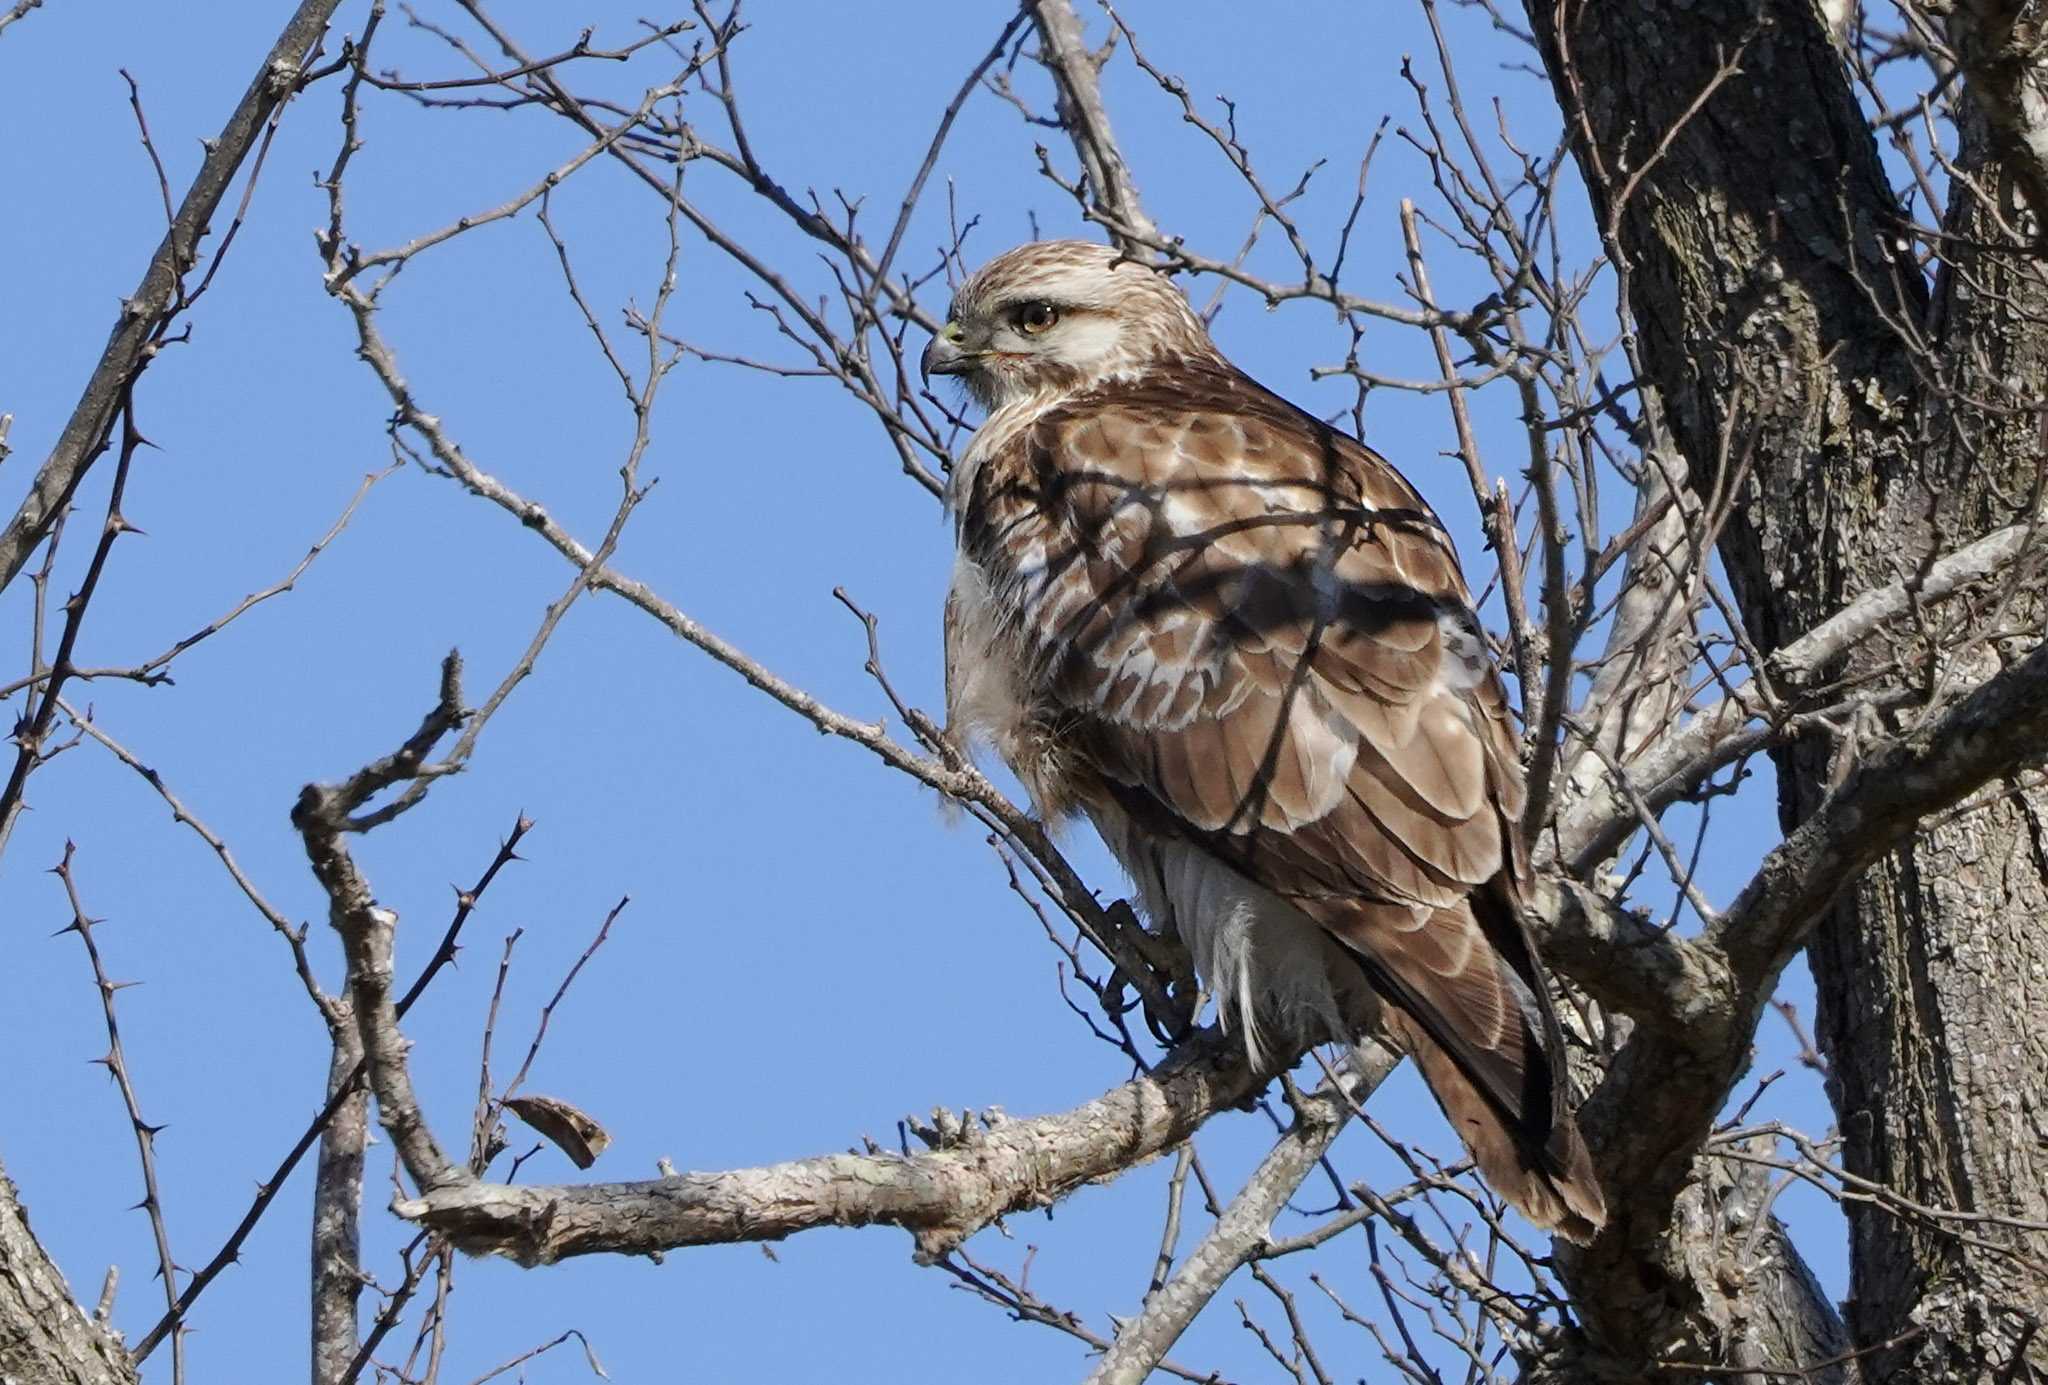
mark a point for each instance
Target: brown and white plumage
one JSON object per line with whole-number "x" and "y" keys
{"x": 1239, "y": 641}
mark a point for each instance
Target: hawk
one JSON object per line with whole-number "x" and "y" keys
{"x": 1238, "y": 641}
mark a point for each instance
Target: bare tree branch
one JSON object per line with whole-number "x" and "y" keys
{"x": 1078, "y": 75}
{"x": 116, "y": 1063}
{"x": 17, "y": 12}
{"x": 324, "y": 816}
{"x": 145, "y": 316}
{"x": 1593, "y": 827}
{"x": 337, "y": 1210}
{"x": 1239, "y": 1234}
{"x": 976, "y": 1172}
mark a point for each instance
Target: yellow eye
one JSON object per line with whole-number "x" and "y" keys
{"x": 1034, "y": 318}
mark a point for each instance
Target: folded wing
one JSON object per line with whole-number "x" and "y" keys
{"x": 1255, "y": 634}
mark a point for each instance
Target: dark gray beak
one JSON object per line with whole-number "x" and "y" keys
{"x": 944, "y": 356}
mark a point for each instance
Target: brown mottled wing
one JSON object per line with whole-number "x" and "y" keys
{"x": 1258, "y": 635}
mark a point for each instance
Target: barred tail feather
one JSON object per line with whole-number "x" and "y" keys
{"x": 1467, "y": 1001}
{"x": 1546, "y": 1174}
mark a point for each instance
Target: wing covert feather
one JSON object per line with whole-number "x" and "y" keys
{"x": 1251, "y": 633}
{"x": 1242, "y": 612}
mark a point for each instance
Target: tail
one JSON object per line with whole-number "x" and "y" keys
{"x": 1470, "y": 1006}
{"x": 1542, "y": 1169}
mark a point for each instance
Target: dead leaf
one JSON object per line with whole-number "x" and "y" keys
{"x": 572, "y": 1132}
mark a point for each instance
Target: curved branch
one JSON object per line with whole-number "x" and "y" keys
{"x": 1594, "y": 827}
{"x": 1656, "y": 978}
{"x": 324, "y": 817}
{"x": 1998, "y": 729}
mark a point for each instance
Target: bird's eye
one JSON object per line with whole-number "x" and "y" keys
{"x": 1033, "y": 318}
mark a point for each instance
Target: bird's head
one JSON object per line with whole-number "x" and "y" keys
{"x": 1058, "y": 317}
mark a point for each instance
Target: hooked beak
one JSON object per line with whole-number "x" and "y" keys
{"x": 945, "y": 355}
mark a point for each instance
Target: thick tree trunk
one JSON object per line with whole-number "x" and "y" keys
{"x": 45, "y": 1337}
{"x": 1925, "y": 971}
{"x": 1802, "y": 360}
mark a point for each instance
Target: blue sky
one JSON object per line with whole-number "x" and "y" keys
{"x": 811, "y": 950}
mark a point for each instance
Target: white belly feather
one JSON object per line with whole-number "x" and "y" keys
{"x": 1272, "y": 970}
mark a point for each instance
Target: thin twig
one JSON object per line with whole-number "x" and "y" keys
{"x": 116, "y": 1064}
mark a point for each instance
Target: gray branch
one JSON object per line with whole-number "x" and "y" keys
{"x": 1077, "y": 73}
{"x": 1653, "y": 1111}
{"x": 337, "y": 1213}
{"x": 1998, "y": 729}
{"x": 324, "y": 819}
{"x": 975, "y": 1174}
{"x": 138, "y": 330}
{"x": 18, "y": 12}
{"x": 1627, "y": 963}
{"x": 2001, "y": 44}
{"x": 1239, "y": 1235}
{"x": 1595, "y": 825}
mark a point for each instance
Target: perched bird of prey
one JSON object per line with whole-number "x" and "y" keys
{"x": 1238, "y": 641}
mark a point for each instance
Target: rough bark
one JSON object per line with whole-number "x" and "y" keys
{"x": 337, "y": 1274}
{"x": 974, "y": 1173}
{"x": 1801, "y": 359}
{"x": 1764, "y": 1305}
{"x": 1769, "y": 1307}
{"x": 45, "y": 1337}
{"x": 1938, "y": 1092}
